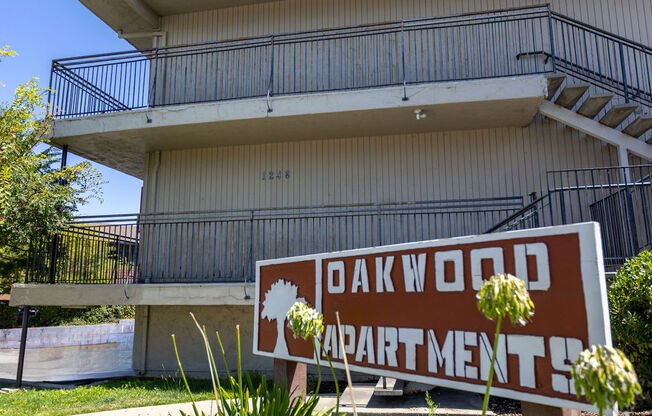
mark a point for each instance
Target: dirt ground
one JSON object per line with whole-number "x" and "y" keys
{"x": 505, "y": 407}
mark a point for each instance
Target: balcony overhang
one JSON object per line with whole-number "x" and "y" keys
{"x": 142, "y": 16}
{"x": 200, "y": 294}
{"x": 121, "y": 140}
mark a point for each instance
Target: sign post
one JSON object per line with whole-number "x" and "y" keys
{"x": 409, "y": 310}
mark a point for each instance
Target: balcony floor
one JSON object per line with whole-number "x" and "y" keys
{"x": 121, "y": 140}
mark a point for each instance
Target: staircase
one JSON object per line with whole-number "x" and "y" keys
{"x": 600, "y": 107}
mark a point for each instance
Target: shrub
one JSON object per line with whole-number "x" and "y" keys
{"x": 630, "y": 304}
{"x": 58, "y": 316}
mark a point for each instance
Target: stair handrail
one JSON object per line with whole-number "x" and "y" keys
{"x": 600, "y": 31}
{"x": 517, "y": 214}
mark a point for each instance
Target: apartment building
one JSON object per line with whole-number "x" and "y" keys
{"x": 265, "y": 129}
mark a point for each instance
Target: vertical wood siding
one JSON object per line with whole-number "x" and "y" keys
{"x": 474, "y": 164}
{"x": 629, "y": 18}
{"x": 430, "y": 166}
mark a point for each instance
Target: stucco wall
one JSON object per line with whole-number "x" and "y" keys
{"x": 153, "y": 348}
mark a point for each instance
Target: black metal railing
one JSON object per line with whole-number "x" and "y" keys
{"x": 601, "y": 58}
{"x": 461, "y": 47}
{"x": 618, "y": 198}
{"x": 223, "y": 246}
{"x": 87, "y": 252}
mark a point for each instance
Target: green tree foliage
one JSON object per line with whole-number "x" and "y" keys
{"x": 630, "y": 304}
{"x": 36, "y": 198}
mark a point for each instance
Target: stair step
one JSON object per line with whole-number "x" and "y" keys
{"x": 617, "y": 114}
{"x": 571, "y": 95}
{"x": 593, "y": 105}
{"x": 554, "y": 82}
{"x": 639, "y": 126}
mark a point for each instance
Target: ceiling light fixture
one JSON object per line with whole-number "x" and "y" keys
{"x": 420, "y": 114}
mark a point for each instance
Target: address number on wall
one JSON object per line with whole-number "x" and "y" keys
{"x": 271, "y": 175}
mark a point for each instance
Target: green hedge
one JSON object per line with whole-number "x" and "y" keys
{"x": 630, "y": 307}
{"x": 56, "y": 316}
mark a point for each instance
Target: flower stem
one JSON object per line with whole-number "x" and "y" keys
{"x": 314, "y": 347}
{"x": 337, "y": 387}
{"x": 485, "y": 403}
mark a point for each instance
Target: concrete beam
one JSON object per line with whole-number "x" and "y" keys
{"x": 204, "y": 294}
{"x": 595, "y": 129}
{"x": 143, "y": 10}
{"x": 120, "y": 140}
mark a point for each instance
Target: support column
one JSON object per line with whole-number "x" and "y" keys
{"x": 23, "y": 343}
{"x": 534, "y": 409}
{"x": 623, "y": 161}
{"x": 293, "y": 373}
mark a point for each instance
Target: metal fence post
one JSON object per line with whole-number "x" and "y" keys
{"x": 380, "y": 225}
{"x": 271, "y": 75}
{"x": 562, "y": 207}
{"x": 624, "y": 71}
{"x": 405, "y": 97}
{"x": 152, "y": 101}
{"x": 552, "y": 41}
{"x": 535, "y": 215}
{"x": 23, "y": 344}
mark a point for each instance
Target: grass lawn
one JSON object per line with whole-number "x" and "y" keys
{"x": 119, "y": 394}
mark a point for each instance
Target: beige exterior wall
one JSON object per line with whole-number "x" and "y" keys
{"x": 428, "y": 166}
{"x": 453, "y": 165}
{"x": 154, "y": 351}
{"x": 629, "y": 18}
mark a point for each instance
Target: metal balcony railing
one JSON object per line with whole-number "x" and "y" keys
{"x": 461, "y": 47}
{"x": 618, "y": 198}
{"x": 223, "y": 246}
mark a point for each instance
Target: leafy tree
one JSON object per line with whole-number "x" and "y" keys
{"x": 36, "y": 198}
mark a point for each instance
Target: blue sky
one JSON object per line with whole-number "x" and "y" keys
{"x": 42, "y": 30}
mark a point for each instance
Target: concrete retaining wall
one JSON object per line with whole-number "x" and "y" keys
{"x": 70, "y": 352}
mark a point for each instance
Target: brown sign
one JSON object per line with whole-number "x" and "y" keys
{"x": 409, "y": 310}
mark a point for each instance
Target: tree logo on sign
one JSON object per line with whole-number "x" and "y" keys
{"x": 278, "y": 301}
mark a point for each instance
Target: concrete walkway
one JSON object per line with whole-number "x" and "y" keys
{"x": 451, "y": 402}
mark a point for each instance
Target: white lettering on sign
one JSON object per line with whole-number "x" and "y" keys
{"x": 456, "y": 257}
{"x": 387, "y": 346}
{"x": 438, "y": 356}
{"x": 495, "y": 254}
{"x": 562, "y": 353}
{"x": 366, "y": 345}
{"x": 414, "y": 272}
{"x": 360, "y": 277}
{"x": 540, "y": 252}
{"x": 333, "y": 268}
{"x": 384, "y": 274}
{"x": 500, "y": 366}
{"x": 410, "y": 337}
{"x": 526, "y": 347}
{"x": 464, "y": 355}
